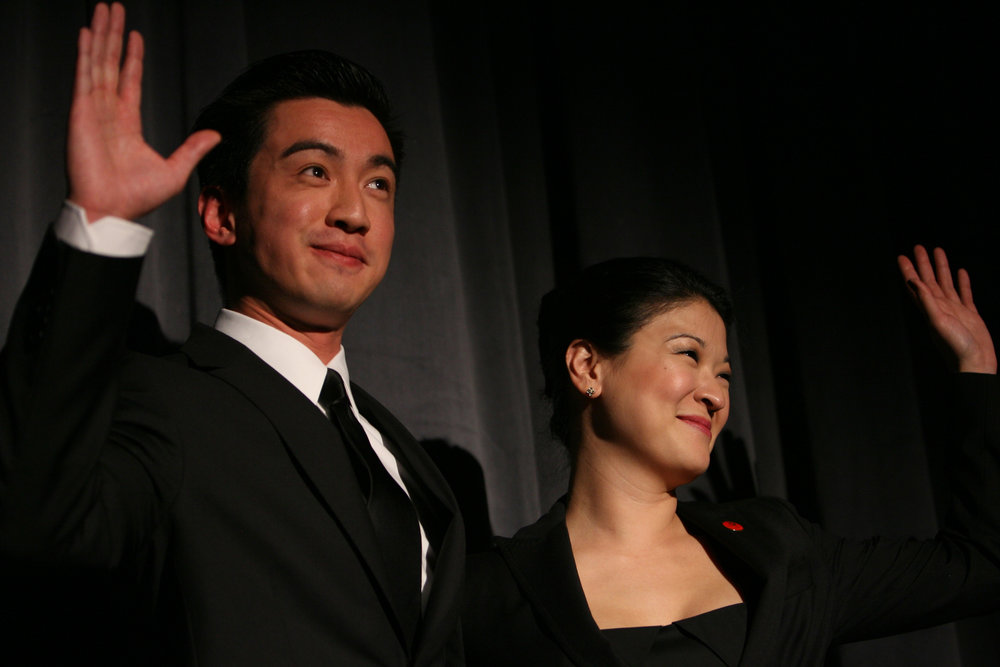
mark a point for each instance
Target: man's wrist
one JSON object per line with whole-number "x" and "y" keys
{"x": 108, "y": 236}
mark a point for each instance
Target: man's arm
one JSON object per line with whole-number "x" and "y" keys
{"x": 66, "y": 463}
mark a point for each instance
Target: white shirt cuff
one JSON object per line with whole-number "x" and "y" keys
{"x": 108, "y": 236}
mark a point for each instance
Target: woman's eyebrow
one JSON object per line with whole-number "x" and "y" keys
{"x": 697, "y": 339}
{"x": 687, "y": 335}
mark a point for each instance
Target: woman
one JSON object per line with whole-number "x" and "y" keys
{"x": 619, "y": 572}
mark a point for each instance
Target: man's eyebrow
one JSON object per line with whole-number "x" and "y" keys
{"x": 311, "y": 145}
{"x": 333, "y": 151}
{"x": 384, "y": 161}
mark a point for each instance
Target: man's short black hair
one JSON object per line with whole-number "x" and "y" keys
{"x": 241, "y": 112}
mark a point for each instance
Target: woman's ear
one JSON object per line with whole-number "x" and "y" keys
{"x": 217, "y": 217}
{"x": 582, "y": 363}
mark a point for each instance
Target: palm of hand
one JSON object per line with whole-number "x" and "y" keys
{"x": 951, "y": 313}
{"x": 111, "y": 168}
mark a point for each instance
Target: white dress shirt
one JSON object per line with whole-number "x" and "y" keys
{"x": 115, "y": 237}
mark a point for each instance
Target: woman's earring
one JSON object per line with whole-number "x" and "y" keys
{"x": 590, "y": 392}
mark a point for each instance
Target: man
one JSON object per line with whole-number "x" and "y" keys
{"x": 231, "y": 481}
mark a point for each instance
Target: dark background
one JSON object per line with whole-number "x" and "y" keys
{"x": 788, "y": 150}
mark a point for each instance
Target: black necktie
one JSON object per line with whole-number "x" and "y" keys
{"x": 393, "y": 515}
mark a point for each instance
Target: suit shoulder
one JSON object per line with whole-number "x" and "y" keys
{"x": 771, "y": 520}
{"x": 764, "y": 507}
{"x": 489, "y": 586}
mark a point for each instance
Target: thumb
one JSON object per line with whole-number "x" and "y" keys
{"x": 195, "y": 147}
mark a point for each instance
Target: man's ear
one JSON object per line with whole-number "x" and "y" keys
{"x": 582, "y": 363}
{"x": 217, "y": 217}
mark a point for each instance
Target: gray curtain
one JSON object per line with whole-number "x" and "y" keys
{"x": 789, "y": 153}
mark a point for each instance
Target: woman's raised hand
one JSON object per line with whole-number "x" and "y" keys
{"x": 950, "y": 312}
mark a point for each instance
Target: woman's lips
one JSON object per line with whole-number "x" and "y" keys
{"x": 703, "y": 424}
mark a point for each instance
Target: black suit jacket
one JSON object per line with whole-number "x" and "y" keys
{"x": 804, "y": 588}
{"x": 208, "y": 479}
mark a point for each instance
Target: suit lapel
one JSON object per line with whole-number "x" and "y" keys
{"x": 439, "y": 513}
{"x": 432, "y": 494}
{"x": 541, "y": 560}
{"x": 310, "y": 439}
{"x": 440, "y": 616}
{"x": 741, "y": 537}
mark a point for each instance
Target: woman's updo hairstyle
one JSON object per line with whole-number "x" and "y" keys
{"x": 606, "y": 304}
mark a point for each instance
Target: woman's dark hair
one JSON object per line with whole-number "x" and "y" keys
{"x": 606, "y": 304}
{"x": 241, "y": 112}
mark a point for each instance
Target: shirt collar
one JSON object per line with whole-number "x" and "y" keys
{"x": 292, "y": 359}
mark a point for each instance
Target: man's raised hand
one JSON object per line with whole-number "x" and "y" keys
{"x": 110, "y": 167}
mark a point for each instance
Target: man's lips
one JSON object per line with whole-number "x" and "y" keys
{"x": 703, "y": 424}
{"x": 342, "y": 251}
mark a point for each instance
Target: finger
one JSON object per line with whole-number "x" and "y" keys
{"x": 82, "y": 84}
{"x": 906, "y": 267}
{"x": 965, "y": 290}
{"x": 909, "y": 273}
{"x": 130, "y": 84}
{"x": 98, "y": 53}
{"x": 925, "y": 269}
{"x": 113, "y": 54}
{"x": 944, "y": 272}
{"x": 183, "y": 160}
{"x": 921, "y": 281}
